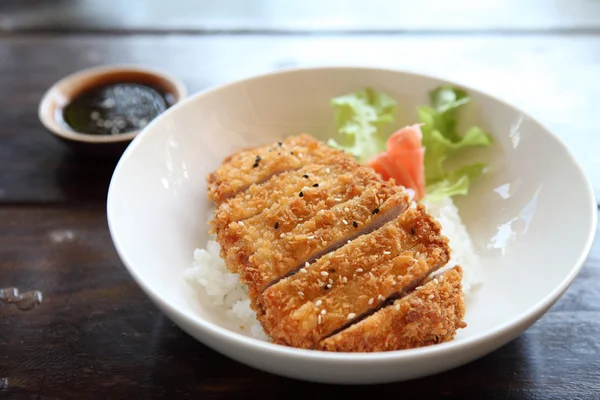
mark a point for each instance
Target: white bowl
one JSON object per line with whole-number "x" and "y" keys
{"x": 532, "y": 217}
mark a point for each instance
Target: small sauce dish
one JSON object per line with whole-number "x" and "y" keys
{"x": 100, "y": 110}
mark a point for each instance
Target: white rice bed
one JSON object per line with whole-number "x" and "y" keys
{"x": 208, "y": 273}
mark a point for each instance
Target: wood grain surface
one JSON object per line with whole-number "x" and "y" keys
{"x": 96, "y": 335}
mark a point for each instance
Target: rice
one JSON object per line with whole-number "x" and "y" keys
{"x": 229, "y": 296}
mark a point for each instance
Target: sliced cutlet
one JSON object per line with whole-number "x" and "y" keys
{"x": 337, "y": 175}
{"x": 429, "y": 315}
{"x": 329, "y": 230}
{"x": 238, "y": 239}
{"x": 354, "y": 280}
{"x": 240, "y": 170}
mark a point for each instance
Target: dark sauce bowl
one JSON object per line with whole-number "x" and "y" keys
{"x": 52, "y": 106}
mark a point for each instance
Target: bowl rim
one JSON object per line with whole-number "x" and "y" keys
{"x": 504, "y": 330}
{"x": 64, "y": 132}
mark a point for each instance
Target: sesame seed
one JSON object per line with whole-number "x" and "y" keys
{"x": 327, "y": 170}
{"x": 282, "y": 235}
{"x": 349, "y": 241}
{"x": 345, "y": 280}
{"x": 318, "y": 303}
{"x": 255, "y": 165}
{"x": 441, "y": 277}
{"x": 410, "y": 268}
{"x": 387, "y": 253}
{"x": 319, "y": 319}
{"x": 241, "y": 223}
{"x": 301, "y": 194}
{"x": 435, "y": 281}
{"x": 371, "y": 300}
{"x": 300, "y": 155}
{"x": 310, "y": 237}
{"x": 331, "y": 270}
{"x": 258, "y": 158}
{"x": 380, "y": 297}
{"x": 338, "y": 199}
{"x": 247, "y": 197}
{"x": 320, "y": 282}
{"x": 412, "y": 231}
{"x": 279, "y": 143}
{"x": 397, "y": 307}
{"x": 351, "y": 315}
{"x": 276, "y": 225}
{"x": 375, "y": 211}
{"x": 419, "y": 288}
{"x": 345, "y": 222}
{"x": 328, "y": 286}
{"x": 431, "y": 296}
{"x": 346, "y": 209}
{"x": 323, "y": 312}
{"x": 301, "y": 293}
{"x": 321, "y": 212}
{"x": 315, "y": 185}
{"x": 359, "y": 270}
{"x": 355, "y": 224}
{"x": 291, "y": 152}
{"x": 303, "y": 270}
{"x": 331, "y": 281}
{"x": 305, "y": 176}
{"x": 399, "y": 277}
{"x": 324, "y": 273}
{"x": 306, "y": 264}
{"x": 371, "y": 274}
{"x": 393, "y": 283}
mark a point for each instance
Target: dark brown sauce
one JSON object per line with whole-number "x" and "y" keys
{"x": 116, "y": 108}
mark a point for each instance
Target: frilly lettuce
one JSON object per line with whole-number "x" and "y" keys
{"x": 442, "y": 141}
{"x": 359, "y": 117}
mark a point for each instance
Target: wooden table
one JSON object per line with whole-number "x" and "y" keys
{"x": 96, "y": 335}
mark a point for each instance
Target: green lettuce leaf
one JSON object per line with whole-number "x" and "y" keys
{"x": 359, "y": 118}
{"x": 442, "y": 142}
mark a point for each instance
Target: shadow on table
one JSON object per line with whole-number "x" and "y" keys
{"x": 186, "y": 366}
{"x": 84, "y": 178}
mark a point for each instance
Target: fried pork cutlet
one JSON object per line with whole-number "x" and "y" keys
{"x": 331, "y": 252}
{"x": 300, "y": 310}
{"x": 340, "y": 178}
{"x": 266, "y": 258}
{"x": 242, "y": 238}
{"x": 429, "y": 315}
{"x": 240, "y": 170}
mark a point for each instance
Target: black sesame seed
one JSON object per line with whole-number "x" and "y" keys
{"x": 276, "y": 225}
{"x": 325, "y": 287}
{"x": 316, "y": 185}
{"x": 258, "y": 158}
{"x": 291, "y": 152}
{"x": 412, "y": 230}
{"x": 355, "y": 224}
{"x": 375, "y": 211}
{"x": 305, "y": 176}
{"x": 301, "y": 194}
{"x": 255, "y": 165}
{"x": 332, "y": 270}
{"x": 279, "y": 143}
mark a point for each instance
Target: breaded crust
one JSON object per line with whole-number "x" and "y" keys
{"x": 330, "y": 229}
{"x": 239, "y": 239}
{"x": 245, "y": 168}
{"x": 337, "y": 289}
{"x": 427, "y": 316}
{"x": 342, "y": 179}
